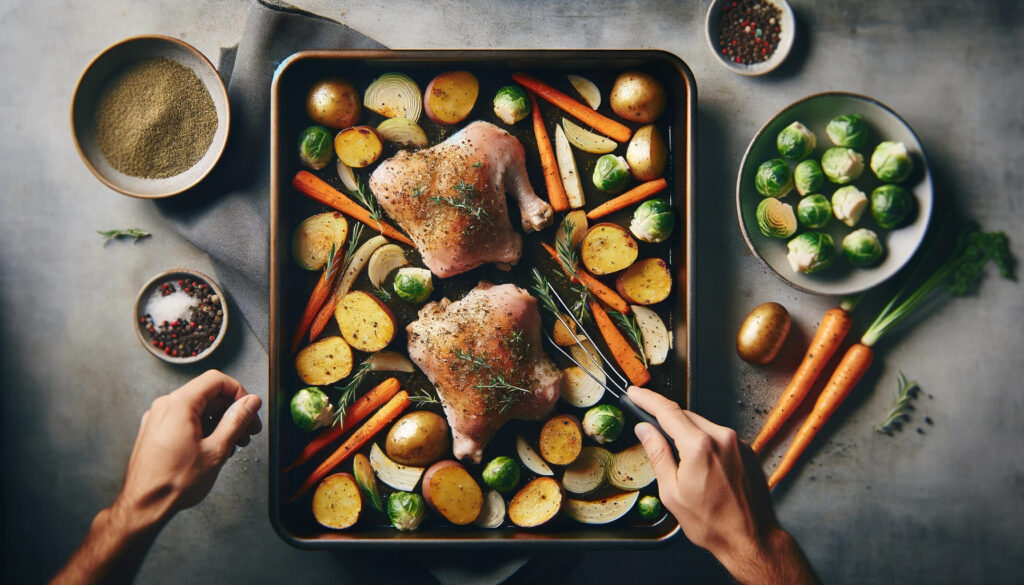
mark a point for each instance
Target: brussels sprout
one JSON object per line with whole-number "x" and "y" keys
{"x": 414, "y": 284}
{"x": 848, "y": 130}
{"x": 848, "y": 204}
{"x": 611, "y": 173}
{"x": 406, "y": 510}
{"x": 891, "y": 162}
{"x": 773, "y": 178}
{"x": 862, "y": 247}
{"x": 775, "y": 218}
{"x": 653, "y": 221}
{"x": 316, "y": 147}
{"x": 810, "y": 252}
{"x": 603, "y": 423}
{"x": 807, "y": 177}
{"x": 814, "y": 211}
{"x": 842, "y": 165}
{"x": 511, "y": 104}
{"x": 311, "y": 409}
{"x": 502, "y": 474}
{"x": 796, "y": 141}
{"x": 649, "y": 508}
{"x": 890, "y": 204}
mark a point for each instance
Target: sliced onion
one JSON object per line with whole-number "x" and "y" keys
{"x": 631, "y": 470}
{"x": 394, "y": 95}
{"x": 601, "y": 511}
{"x": 586, "y": 140}
{"x": 402, "y": 131}
{"x": 587, "y": 90}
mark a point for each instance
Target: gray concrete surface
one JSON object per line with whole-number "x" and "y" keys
{"x": 940, "y": 507}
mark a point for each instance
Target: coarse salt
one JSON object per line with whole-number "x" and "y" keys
{"x": 177, "y": 305}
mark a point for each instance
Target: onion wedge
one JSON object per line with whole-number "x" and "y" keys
{"x": 586, "y": 140}
{"x": 601, "y": 511}
{"x": 587, "y": 90}
{"x": 394, "y": 95}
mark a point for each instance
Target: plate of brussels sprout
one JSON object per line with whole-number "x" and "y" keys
{"x": 834, "y": 193}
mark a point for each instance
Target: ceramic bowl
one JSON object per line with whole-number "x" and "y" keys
{"x": 152, "y": 289}
{"x": 90, "y": 86}
{"x": 787, "y": 33}
{"x": 900, "y": 244}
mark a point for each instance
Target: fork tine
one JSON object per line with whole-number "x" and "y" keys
{"x": 609, "y": 387}
{"x": 610, "y": 366}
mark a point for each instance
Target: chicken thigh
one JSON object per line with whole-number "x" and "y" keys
{"x": 450, "y": 199}
{"x": 483, "y": 353}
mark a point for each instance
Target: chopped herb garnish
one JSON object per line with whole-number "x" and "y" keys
{"x": 478, "y": 164}
{"x": 128, "y": 233}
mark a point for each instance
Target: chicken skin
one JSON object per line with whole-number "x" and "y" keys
{"x": 483, "y": 353}
{"x": 450, "y": 199}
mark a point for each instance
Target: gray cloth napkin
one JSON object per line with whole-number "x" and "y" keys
{"x": 228, "y": 217}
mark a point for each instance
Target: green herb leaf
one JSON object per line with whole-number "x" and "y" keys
{"x": 128, "y": 233}
{"x": 906, "y": 391}
{"x": 348, "y": 391}
{"x": 629, "y": 325}
{"x": 368, "y": 201}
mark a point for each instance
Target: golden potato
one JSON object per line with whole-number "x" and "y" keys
{"x": 637, "y": 97}
{"x": 418, "y": 438}
{"x": 334, "y": 102}
{"x": 647, "y": 154}
{"x": 762, "y": 333}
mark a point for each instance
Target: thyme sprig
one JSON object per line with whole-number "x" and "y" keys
{"x": 569, "y": 258}
{"x": 629, "y": 325}
{"x": 424, "y": 396}
{"x": 128, "y": 233}
{"x": 905, "y": 393}
{"x": 348, "y": 392}
{"x": 497, "y": 381}
{"x": 382, "y": 294}
{"x": 368, "y": 201}
{"x": 466, "y": 191}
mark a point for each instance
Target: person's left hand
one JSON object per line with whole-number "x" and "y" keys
{"x": 184, "y": 439}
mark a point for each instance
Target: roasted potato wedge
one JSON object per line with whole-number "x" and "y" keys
{"x": 324, "y": 362}
{"x": 366, "y": 323}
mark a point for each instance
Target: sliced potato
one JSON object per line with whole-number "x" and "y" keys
{"x": 452, "y": 491}
{"x": 401, "y": 477}
{"x": 601, "y": 511}
{"x": 567, "y": 170}
{"x": 657, "y": 339}
{"x": 586, "y": 140}
{"x": 561, "y": 439}
{"x": 493, "y": 513}
{"x": 564, "y": 332}
{"x": 578, "y": 221}
{"x": 630, "y": 469}
{"x": 402, "y": 131}
{"x": 647, "y": 153}
{"x": 608, "y": 248}
{"x": 587, "y": 90}
{"x": 531, "y": 460}
{"x": 385, "y": 259}
{"x": 336, "y": 502}
{"x": 358, "y": 146}
{"x": 536, "y": 503}
{"x": 580, "y": 389}
{"x": 646, "y": 282}
{"x": 317, "y": 237}
{"x": 366, "y": 323}
{"x": 589, "y": 471}
{"x": 324, "y": 362}
{"x": 450, "y": 96}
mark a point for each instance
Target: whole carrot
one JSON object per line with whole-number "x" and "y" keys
{"x": 849, "y": 371}
{"x": 595, "y": 286}
{"x": 831, "y": 332}
{"x": 634, "y": 195}
{"x": 622, "y": 351}
{"x": 614, "y": 130}
{"x": 316, "y": 188}
{"x": 552, "y": 178}
{"x": 319, "y": 295}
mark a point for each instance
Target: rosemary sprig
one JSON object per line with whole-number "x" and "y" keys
{"x": 541, "y": 287}
{"x": 348, "y": 392}
{"x": 473, "y": 210}
{"x": 354, "y": 235}
{"x": 906, "y": 391}
{"x": 496, "y": 381}
{"x": 425, "y": 396}
{"x": 368, "y": 201}
{"x": 629, "y": 324}
{"x": 128, "y": 233}
{"x": 567, "y": 254}
{"x": 382, "y": 294}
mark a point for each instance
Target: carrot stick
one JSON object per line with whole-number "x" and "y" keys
{"x": 323, "y": 317}
{"x": 316, "y": 188}
{"x": 622, "y": 351}
{"x": 834, "y": 327}
{"x": 849, "y": 371}
{"x": 598, "y": 288}
{"x": 316, "y": 300}
{"x": 354, "y": 414}
{"x": 552, "y": 178}
{"x": 615, "y": 130}
{"x": 360, "y": 437}
{"x": 634, "y": 195}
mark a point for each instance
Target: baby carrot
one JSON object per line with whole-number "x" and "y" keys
{"x": 552, "y": 178}
{"x": 622, "y": 351}
{"x": 595, "y": 286}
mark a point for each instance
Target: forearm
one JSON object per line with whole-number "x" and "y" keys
{"x": 777, "y": 560}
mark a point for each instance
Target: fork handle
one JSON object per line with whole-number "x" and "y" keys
{"x": 644, "y": 416}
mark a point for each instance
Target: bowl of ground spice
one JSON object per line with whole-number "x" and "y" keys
{"x": 150, "y": 116}
{"x": 750, "y": 37}
{"x": 180, "y": 316}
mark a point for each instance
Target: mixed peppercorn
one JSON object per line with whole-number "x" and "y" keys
{"x": 749, "y": 31}
{"x": 193, "y": 334}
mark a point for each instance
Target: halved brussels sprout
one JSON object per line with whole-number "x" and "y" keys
{"x": 311, "y": 409}
{"x": 773, "y": 178}
{"x": 653, "y": 221}
{"x": 814, "y": 211}
{"x": 807, "y": 177}
{"x": 891, "y": 162}
{"x": 775, "y": 218}
{"x": 796, "y": 141}
{"x": 414, "y": 284}
{"x": 406, "y": 510}
{"x": 848, "y": 130}
{"x": 511, "y": 104}
{"x": 848, "y": 204}
{"x": 502, "y": 474}
{"x": 842, "y": 165}
{"x": 611, "y": 173}
{"x": 890, "y": 205}
{"x": 862, "y": 247}
{"x": 603, "y": 423}
{"x": 649, "y": 508}
{"x": 316, "y": 147}
{"x": 810, "y": 252}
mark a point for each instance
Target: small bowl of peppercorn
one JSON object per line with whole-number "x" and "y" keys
{"x": 180, "y": 316}
{"x": 150, "y": 116}
{"x": 750, "y": 37}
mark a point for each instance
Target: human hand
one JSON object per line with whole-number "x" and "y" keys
{"x": 718, "y": 493}
{"x": 184, "y": 439}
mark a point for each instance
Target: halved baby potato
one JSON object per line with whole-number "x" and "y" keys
{"x": 452, "y": 491}
{"x": 324, "y": 362}
{"x": 366, "y": 323}
{"x": 646, "y": 282}
{"x": 608, "y": 248}
{"x": 358, "y": 146}
{"x": 561, "y": 439}
{"x": 536, "y": 503}
{"x": 337, "y": 501}
{"x": 646, "y": 154}
{"x": 449, "y": 98}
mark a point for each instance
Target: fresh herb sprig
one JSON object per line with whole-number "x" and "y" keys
{"x": 368, "y": 201}
{"x": 496, "y": 381}
{"x": 382, "y": 294}
{"x": 905, "y": 393}
{"x": 424, "y": 396}
{"x": 348, "y": 392}
{"x": 128, "y": 233}
{"x": 629, "y": 325}
{"x": 569, "y": 258}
